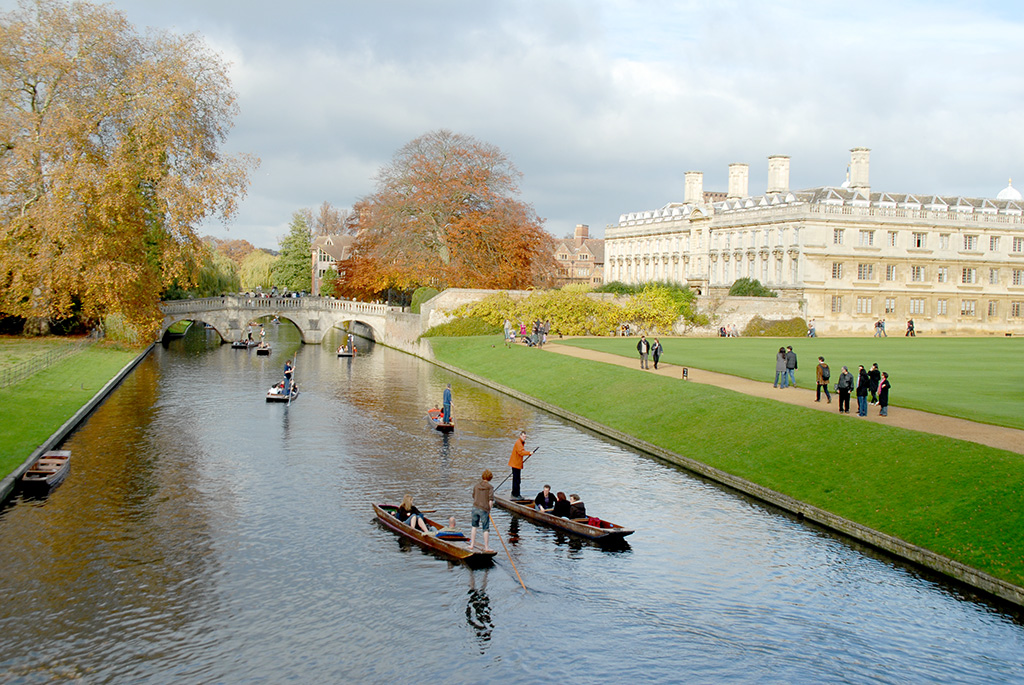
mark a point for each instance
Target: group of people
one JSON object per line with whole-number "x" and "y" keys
{"x": 785, "y": 368}
{"x": 880, "y": 329}
{"x": 647, "y": 351}
{"x": 348, "y": 345}
{"x": 728, "y": 331}
{"x": 557, "y": 504}
{"x": 535, "y": 335}
{"x": 871, "y": 382}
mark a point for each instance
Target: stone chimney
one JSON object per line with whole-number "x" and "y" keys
{"x": 582, "y": 233}
{"x": 694, "y": 188}
{"x": 778, "y": 174}
{"x": 739, "y": 176}
{"x": 859, "y": 162}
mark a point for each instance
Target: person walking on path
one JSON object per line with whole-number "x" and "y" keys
{"x": 516, "y": 462}
{"x": 822, "y": 374}
{"x": 644, "y": 348}
{"x": 881, "y": 327}
{"x": 791, "y": 366}
{"x": 446, "y": 404}
{"x": 844, "y": 387}
{"x": 874, "y": 378}
{"x": 483, "y": 500}
{"x": 863, "y": 386}
{"x": 811, "y": 332}
{"x": 883, "y": 395}
{"x": 780, "y": 368}
{"x": 656, "y": 352}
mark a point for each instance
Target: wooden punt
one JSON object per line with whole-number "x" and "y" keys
{"x": 243, "y": 344}
{"x": 263, "y": 350}
{"x": 605, "y": 532}
{"x": 276, "y": 394}
{"x": 435, "y": 419}
{"x": 345, "y": 354}
{"x": 48, "y": 472}
{"x": 456, "y": 548}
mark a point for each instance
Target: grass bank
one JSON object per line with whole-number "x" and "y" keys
{"x": 956, "y": 498}
{"x": 34, "y": 408}
{"x": 980, "y": 379}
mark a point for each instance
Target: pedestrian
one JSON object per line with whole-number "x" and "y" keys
{"x": 863, "y": 386}
{"x": 810, "y": 329}
{"x": 656, "y": 352}
{"x": 883, "y": 395}
{"x": 446, "y": 404}
{"x": 878, "y": 328}
{"x": 844, "y": 386}
{"x": 910, "y": 328}
{"x": 516, "y": 462}
{"x": 508, "y": 330}
{"x": 780, "y": 368}
{"x": 874, "y": 378}
{"x": 644, "y": 348}
{"x": 822, "y": 375}
{"x": 881, "y": 326}
{"x": 483, "y": 499}
{"x": 791, "y": 366}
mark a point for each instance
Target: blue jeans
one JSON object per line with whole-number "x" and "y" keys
{"x": 792, "y": 376}
{"x": 778, "y": 375}
{"x": 480, "y": 518}
{"x": 862, "y": 405}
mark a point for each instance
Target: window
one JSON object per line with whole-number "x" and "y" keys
{"x": 1018, "y": 276}
{"x": 1018, "y": 245}
{"x": 917, "y": 274}
{"x": 1015, "y": 309}
{"x": 562, "y": 255}
{"x": 918, "y": 239}
{"x": 778, "y": 270}
{"x": 837, "y": 236}
{"x": 837, "y": 304}
{"x": 892, "y": 238}
{"x": 837, "y": 269}
{"x": 993, "y": 307}
{"x": 943, "y": 274}
{"x": 969, "y": 275}
{"x": 865, "y": 272}
{"x": 993, "y": 243}
{"x": 890, "y": 272}
{"x": 583, "y": 257}
{"x": 993, "y": 276}
{"x": 890, "y": 305}
{"x": 970, "y": 242}
{"x": 968, "y": 307}
{"x": 863, "y": 305}
{"x": 943, "y": 241}
{"x": 940, "y": 307}
{"x": 867, "y": 238}
{"x": 917, "y": 305}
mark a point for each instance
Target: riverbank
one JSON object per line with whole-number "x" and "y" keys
{"x": 35, "y": 408}
{"x": 938, "y": 499}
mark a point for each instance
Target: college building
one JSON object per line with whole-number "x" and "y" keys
{"x": 579, "y": 259}
{"x": 851, "y": 254}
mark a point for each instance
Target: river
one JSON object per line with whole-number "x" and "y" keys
{"x": 205, "y": 535}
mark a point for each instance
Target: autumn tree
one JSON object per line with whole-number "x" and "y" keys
{"x": 329, "y": 220}
{"x": 109, "y": 158}
{"x": 234, "y": 249}
{"x": 446, "y": 213}
{"x": 294, "y": 268}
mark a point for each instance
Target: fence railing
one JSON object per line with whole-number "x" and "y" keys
{"x": 20, "y": 371}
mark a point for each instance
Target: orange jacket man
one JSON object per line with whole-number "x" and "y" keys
{"x": 516, "y": 462}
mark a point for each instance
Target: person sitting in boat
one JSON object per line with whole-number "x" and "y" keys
{"x": 411, "y": 516}
{"x": 577, "y": 510}
{"x": 561, "y": 506}
{"x": 449, "y": 531}
{"x": 545, "y": 500}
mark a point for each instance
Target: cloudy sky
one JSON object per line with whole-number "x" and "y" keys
{"x": 604, "y": 104}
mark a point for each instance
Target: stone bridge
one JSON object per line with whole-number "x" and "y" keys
{"x": 313, "y": 316}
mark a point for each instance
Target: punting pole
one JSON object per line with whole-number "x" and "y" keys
{"x": 524, "y": 463}
{"x": 506, "y": 551}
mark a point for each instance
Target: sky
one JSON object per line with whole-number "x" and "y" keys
{"x": 603, "y": 105}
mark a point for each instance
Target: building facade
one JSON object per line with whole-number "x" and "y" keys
{"x": 580, "y": 260}
{"x": 952, "y": 264}
{"x": 328, "y": 252}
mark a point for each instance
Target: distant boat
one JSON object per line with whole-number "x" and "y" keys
{"x": 47, "y": 473}
{"x": 263, "y": 349}
{"x": 243, "y": 344}
{"x": 277, "y": 394}
{"x": 591, "y": 527}
{"x": 435, "y": 418}
{"x": 455, "y": 546}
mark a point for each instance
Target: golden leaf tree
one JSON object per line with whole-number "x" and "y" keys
{"x": 109, "y": 159}
{"x": 446, "y": 213}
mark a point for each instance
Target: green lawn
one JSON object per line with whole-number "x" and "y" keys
{"x": 33, "y": 409}
{"x": 981, "y": 379}
{"x": 956, "y": 498}
{"x": 15, "y": 350}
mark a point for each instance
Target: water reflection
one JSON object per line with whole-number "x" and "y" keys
{"x": 478, "y": 608}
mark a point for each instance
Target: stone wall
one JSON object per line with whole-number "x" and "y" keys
{"x": 437, "y": 310}
{"x": 729, "y": 310}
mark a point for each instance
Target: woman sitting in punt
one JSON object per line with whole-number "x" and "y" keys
{"x": 577, "y": 510}
{"x": 410, "y": 515}
{"x": 561, "y": 506}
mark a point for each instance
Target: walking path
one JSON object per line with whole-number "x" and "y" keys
{"x": 1010, "y": 439}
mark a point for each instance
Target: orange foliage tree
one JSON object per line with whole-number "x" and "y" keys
{"x": 109, "y": 158}
{"x": 446, "y": 213}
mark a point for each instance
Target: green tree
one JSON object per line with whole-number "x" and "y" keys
{"x": 257, "y": 271}
{"x": 750, "y": 287}
{"x": 328, "y": 283}
{"x": 109, "y": 158}
{"x": 294, "y": 268}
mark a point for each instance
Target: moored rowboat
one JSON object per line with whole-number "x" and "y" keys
{"x": 455, "y": 547}
{"x": 603, "y": 531}
{"x": 48, "y": 472}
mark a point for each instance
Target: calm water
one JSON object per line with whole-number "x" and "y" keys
{"x": 207, "y": 536}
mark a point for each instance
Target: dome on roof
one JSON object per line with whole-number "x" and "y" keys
{"x": 1009, "y": 192}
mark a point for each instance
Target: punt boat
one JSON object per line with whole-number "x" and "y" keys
{"x": 456, "y": 547}
{"x": 47, "y": 472}
{"x": 591, "y": 527}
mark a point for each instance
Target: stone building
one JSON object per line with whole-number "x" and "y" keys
{"x": 854, "y": 255}
{"x": 580, "y": 259}
{"x": 328, "y": 252}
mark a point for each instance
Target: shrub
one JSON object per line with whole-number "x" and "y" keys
{"x": 461, "y": 327}
{"x": 421, "y": 295}
{"x": 786, "y": 328}
{"x": 750, "y": 287}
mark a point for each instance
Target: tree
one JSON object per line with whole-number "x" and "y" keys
{"x": 236, "y": 249}
{"x": 109, "y": 157}
{"x": 445, "y": 213}
{"x": 329, "y": 220}
{"x": 328, "y": 283}
{"x": 257, "y": 271}
{"x": 294, "y": 268}
{"x": 750, "y": 287}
